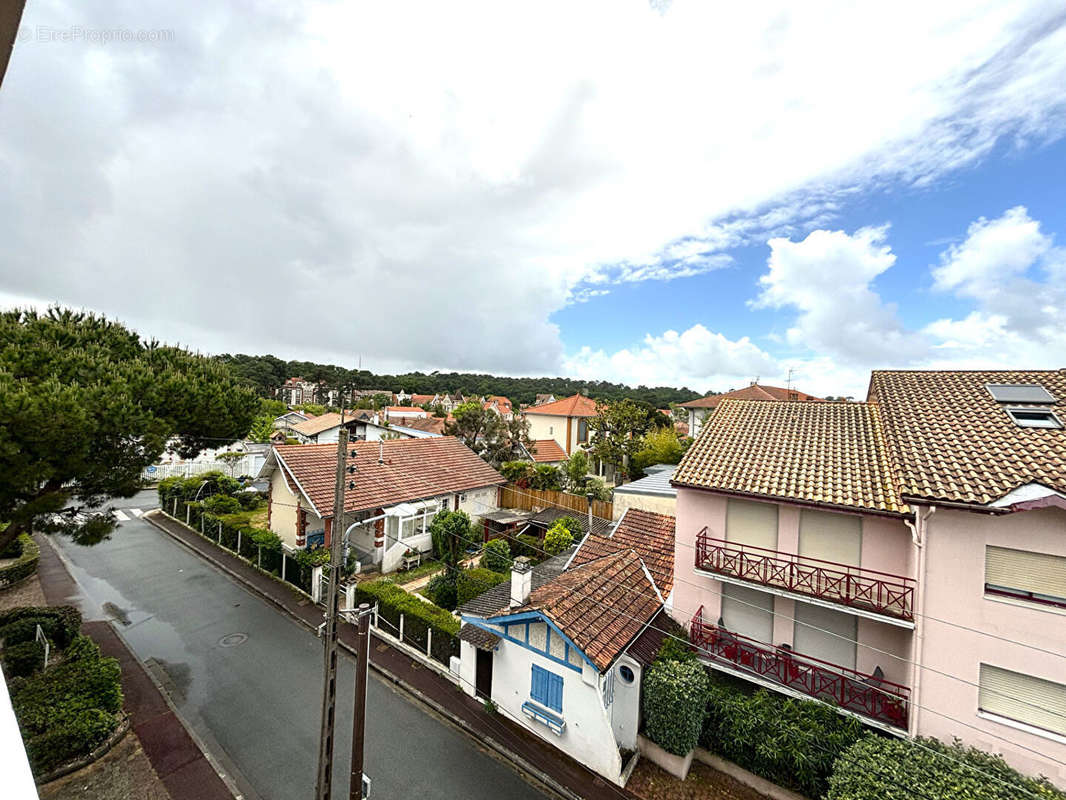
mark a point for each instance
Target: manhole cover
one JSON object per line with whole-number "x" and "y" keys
{"x": 233, "y": 639}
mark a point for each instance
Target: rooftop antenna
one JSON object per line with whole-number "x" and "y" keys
{"x": 790, "y": 371}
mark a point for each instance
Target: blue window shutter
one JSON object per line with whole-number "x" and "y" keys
{"x": 547, "y": 688}
{"x": 555, "y": 692}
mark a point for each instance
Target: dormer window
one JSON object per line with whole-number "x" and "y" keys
{"x": 1035, "y": 417}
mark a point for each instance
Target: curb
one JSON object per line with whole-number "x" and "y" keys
{"x": 546, "y": 781}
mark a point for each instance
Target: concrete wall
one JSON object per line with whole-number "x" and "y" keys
{"x": 625, "y": 710}
{"x": 655, "y": 503}
{"x": 954, "y": 587}
{"x": 478, "y": 502}
{"x": 588, "y": 736}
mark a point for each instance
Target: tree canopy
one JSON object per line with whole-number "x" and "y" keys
{"x": 86, "y": 405}
{"x": 489, "y": 435}
{"x": 616, "y": 433}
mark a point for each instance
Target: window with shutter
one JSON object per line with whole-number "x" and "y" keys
{"x": 748, "y": 612}
{"x": 826, "y": 536}
{"x": 825, "y": 634}
{"x": 547, "y": 688}
{"x": 1023, "y": 698}
{"x": 1036, "y": 577}
{"x": 751, "y": 523}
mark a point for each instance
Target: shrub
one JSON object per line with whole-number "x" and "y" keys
{"x": 572, "y": 524}
{"x": 452, "y": 533}
{"x": 23, "y": 659}
{"x": 418, "y": 617}
{"x": 516, "y": 471}
{"x": 557, "y": 539}
{"x": 675, "y": 697}
{"x": 899, "y": 769}
{"x": 528, "y": 545}
{"x": 442, "y": 589}
{"x": 76, "y": 736}
{"x": 473, "y": 582}
{"x": 221, "y": 504}
{"x": 67, "y": 622}
{"x": 790, "y": 742}
{"x": 673, "y": 649}
{"x": 545, "y": 477}
{"x": 26, "y": 563}
{"x": 497, "y": 556}
{"x": 250, "y": 501}
{"x": 14, "y": 547}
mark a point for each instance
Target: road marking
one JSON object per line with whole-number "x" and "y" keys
{"x": 119, "y": 515}
{"x": 136, "y": 512}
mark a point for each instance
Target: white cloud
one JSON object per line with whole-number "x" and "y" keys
{"x": 828, "y": 279}
{"x": 426, "y": 184}
{"x": 696, "y": 358}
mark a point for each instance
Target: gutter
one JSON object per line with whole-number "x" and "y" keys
{"x": 904, "y": 515}
{"x": 919, "y": 535}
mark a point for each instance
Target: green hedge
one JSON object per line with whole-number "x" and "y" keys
{"x": 675, "y": 697}
{"x": 790, "y": 742}
{"x": 22, "y": 659}
{"x": 419, "y": 617}
{"x": 26, "y": 564}
{"x": 497, "y": 555}
{"x": 473, "y": 582}
{"x": 899, "y": 769}
{"x": 60, "y": 623}
{"x": 67, "y": 710}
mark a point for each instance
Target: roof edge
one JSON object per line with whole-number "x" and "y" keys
{"x": 794, "y": 501}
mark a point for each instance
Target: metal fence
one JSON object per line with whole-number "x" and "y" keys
{"x": 248, "y": 465}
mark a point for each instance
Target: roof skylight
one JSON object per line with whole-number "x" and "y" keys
{"x": 1020, "y": 393}
{"x": 1035, "y": 417}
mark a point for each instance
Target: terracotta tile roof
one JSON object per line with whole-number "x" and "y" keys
{"x": 499, "y": 596}
{"x": 414, "y": 469}
{"x": 576, "y": 406}
{"x": 601, "y": 605}
{"x": 754, "y": 392}
{"x": 646, "y": 646}
{"x": 428, "y": 424}
{"x": 650, "y": 535}
{"x": 421, "y": 399}
{"x": 405, "y": 410}
{"x": 950, "y": 440}
{"x": 316, "y": 425}
{"x": 829, "y": 453}
{"x": 546, "y": 451}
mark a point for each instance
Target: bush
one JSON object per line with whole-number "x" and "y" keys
{"x": 675, "y": 697}
{"x": 899, "y": 769}
{"x": 26, "y": 563}
{"x": 528, "y": 545}
{"x": 545, "y": 477}
{"x": 221, "y": 504}
{"x": 62, "y": 627}
{"x": 76, "y": 736}
{"x": 442, "y": 589}
{"x": 250, "y": 501}
{"x": 516, "y": 471}
{"x": 557, "y": 539}
{"x": 473, "y": 582}
{"x": 418, "y": 617}
{"x": 673, "y": 649}
{"x": 23, "y": 659}
{"x": 790, "y": 742}
{"x": 14, "y": 547}
{"x": 497, "y": 556}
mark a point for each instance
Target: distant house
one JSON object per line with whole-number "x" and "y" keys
{"x": 324, "y": 428}
{"x": 399, "y": 486}
{"x": 651, "y": 493}
{"x": 699, "y": 410}
{"x": 549, "y": 648}
{"x": 296, "y": 391}
{"x": 498, "y": 404}
{"x": 565, "y": 421}
{"x": 545, "y": 451}
{"x": 290, "y": 418}
{"x": 398, "y": 413}
{"x": 543, "y": 399}
{"x": 420, "y": 427}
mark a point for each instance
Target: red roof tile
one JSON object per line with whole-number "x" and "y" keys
{"x": 650, "y": 535}
{"x": 575, "y": 406}
{"x": 754, "y": 392}
{"x": 546, "y": 451}
{"x": 414, "y": 469}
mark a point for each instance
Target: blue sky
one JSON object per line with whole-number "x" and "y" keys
{"x": 678, "y": 193}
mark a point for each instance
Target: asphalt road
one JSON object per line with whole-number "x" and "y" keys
{"x": 247, "y": 679}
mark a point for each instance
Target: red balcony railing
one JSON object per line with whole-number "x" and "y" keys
{"x": 868, "y": 695}
{"x": 881, "y": 592}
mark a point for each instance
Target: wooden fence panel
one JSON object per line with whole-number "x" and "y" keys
{"x": 512, "y": 496}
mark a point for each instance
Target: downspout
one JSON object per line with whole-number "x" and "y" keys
{"x": 919, "y": 535}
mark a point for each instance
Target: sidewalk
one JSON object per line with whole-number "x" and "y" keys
{"x": 529, "y": 754}
{"x": 176, "y": 758}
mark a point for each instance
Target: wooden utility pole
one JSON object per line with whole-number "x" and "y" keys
{"x": 336, "y": 559}
{"x": 362, "y": 655}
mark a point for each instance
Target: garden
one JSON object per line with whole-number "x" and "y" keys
{"x": 18, "y": 560}
{"x": 810, "y": 748}
{"x": 69, "y": 707}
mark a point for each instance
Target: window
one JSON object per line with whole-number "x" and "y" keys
{"x": 751, "y": 523}
{"x": 1036, "y": 577}
{"x": 1023, "y": 698}
{"x": 826, "y": 536}
{"x": 582, "y": 430}
{"x": 551, "y": 430}
{"x": 1020, "y": 393}
{"x": 1034, "y": 417}
{"x": 626, "y": 673}
{"x": 547, "y": 688}
{"x": 825, "y": 634}
{"x": 444, "y": 504}
{"x": 748, "y": 612}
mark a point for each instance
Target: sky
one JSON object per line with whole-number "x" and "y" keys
{"x": 659, "y": 193}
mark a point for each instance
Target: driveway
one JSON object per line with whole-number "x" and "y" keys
{"x": 247, "y": 679}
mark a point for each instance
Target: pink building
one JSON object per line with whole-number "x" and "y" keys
{"x": 902, "y": 558}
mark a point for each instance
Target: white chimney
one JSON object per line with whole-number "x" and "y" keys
{"x": 521, "y": 581}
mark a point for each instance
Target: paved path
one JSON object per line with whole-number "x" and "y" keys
{"x": 247, "y": 678}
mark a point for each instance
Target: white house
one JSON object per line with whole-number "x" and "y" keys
{"x": 321, "y": 429}
{"x": 398, "y": 486}
{"x": 549, "y": 647}
{"x": 565, "y": 421}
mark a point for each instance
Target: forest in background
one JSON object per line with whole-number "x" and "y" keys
{"x": 267, "y": 373}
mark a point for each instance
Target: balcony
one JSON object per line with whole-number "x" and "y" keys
{"x": 868, "y": 696}
{"x": 861, "y": 589}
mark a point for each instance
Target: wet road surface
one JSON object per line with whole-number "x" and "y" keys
{"x": 247, "y": 679}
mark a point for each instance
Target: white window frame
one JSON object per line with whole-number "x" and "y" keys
{"x": 1054, "y": 421}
